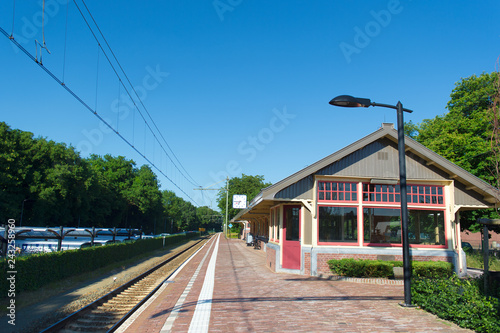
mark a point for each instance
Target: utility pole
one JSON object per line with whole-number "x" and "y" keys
{"x": 227, "y": 198}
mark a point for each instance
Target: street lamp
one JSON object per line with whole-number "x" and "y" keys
{"x": 349, "y": 101}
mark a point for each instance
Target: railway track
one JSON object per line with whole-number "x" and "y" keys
{"x": 107, "y": 313}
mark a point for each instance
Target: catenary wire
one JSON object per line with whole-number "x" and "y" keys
{"x": 12, "y": 39}
{"x": 140, "y": 100}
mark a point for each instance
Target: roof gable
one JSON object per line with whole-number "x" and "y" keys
{"x": 375, "y": 156}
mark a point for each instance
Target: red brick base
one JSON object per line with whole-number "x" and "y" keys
{"x": 307, "y": 264}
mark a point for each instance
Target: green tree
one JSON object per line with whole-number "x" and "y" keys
{"x": 463, "y": 135}
{"x": 16, "y": 171}
{"x": 114, "y": 176}
{"x": 143, "y": 199}
{"x": 248, "y": 185}
{"x": 171, "y": 209}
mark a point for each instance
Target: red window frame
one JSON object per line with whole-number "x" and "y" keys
{"x": 337, "y": 191}
{"x": 425, "y": 195}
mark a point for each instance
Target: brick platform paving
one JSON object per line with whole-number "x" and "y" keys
{"x": 248, "y": 297}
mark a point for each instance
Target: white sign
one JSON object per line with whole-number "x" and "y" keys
{"x": 239, "y": 201}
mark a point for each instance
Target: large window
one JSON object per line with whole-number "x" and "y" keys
{"x": 337, "y": 224}
{"x": 426, "y": 227}
{"x": 383, "y": 225}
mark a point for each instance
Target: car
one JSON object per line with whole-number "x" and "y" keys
{"x": 467, "y": 247}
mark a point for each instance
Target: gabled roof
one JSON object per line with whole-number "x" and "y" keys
{"x": 388, "y": 131}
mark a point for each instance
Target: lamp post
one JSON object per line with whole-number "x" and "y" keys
{"x": 349, "y": 101}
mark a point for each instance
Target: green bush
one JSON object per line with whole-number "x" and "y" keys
{"x": 383, "y": 269}
{"x": 37, "y": 270}
{"x": 459, "y": 301}
{"x": 431, "y": 269}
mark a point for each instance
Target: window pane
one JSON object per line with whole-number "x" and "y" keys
{"x": 426, "y": 227}
{"x": 292, "y": 223}
{"x": 337, "y": 224}
{"x": 382, "y": 225}
{"x": 321, "y": 196}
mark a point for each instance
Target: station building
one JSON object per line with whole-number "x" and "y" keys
{"x": 347, "y": 205}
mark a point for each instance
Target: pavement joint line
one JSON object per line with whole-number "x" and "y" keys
{"x": 167, "y": 327}
{"x": 201, "y": 317}
{"x": 143, "y": 307}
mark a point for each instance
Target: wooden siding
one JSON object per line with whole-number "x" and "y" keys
{"x": 307, "y": 223}
{"x": 380, "y": 159}
{"x": 464, "y": 197}
{"x": 300, "y": 190}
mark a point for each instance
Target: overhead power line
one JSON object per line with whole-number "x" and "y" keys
{"x": 94, "y": 112}
{"x": 128, "y": 93}
{"x": 136, "y": 94}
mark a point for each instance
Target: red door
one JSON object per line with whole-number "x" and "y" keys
{"x": 291, "y": 241}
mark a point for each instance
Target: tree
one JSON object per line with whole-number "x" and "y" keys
{"x": 144, "y": 199}
{"x": 463, "y": 135}
{"x": 249, "y": 185}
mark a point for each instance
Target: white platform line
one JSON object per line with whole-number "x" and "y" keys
{"x": 167, "y": 326}
{"x": 143, "y": 307}
{"x": 201, "y": 317}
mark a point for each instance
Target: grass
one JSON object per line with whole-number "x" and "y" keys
{"x": 476, "y": 260}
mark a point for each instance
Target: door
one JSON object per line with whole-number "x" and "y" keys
{"x": 291, "y": 241}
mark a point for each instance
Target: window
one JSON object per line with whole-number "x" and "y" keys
{"x": 383, "y": 225}
{"x": 426, "y": 227}
{"x": 337, "y": 224}
{"x": 292, "y": 223}
{"x": 337, "y": 191}
{"x": 275, "y": 224}
{"x": 416, "y": 194}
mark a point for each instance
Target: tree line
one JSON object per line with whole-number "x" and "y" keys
{"x": 45, "y": 183}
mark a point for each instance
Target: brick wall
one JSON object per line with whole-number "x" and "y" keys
{"x": 271, "y": 259}
{"x": 307, "y": 264}
{"x": 474, "y": 239}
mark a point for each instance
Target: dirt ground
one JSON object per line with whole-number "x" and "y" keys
{"x": 39, "y": 309}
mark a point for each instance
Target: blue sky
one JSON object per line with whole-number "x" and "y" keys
{"x": 237, "y": 86}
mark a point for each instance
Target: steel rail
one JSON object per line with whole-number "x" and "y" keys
{"x": 61, "y": 324}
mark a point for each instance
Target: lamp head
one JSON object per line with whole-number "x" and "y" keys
{"x": 350, "y": 102}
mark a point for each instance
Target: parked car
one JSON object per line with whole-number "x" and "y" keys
{"x": 466, "y": 247}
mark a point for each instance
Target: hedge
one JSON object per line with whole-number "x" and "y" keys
{"x": 35, "y": 271}
{"x": 458, "y": 300}
{"x": 383, "y": 269}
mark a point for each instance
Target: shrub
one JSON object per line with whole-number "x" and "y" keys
{"x": 383, "y": 269}
{"x": 459, "y": 301}
{"x": 37, "y": 270}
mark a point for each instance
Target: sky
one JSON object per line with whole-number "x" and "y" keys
{"x": 232, "y": 87}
